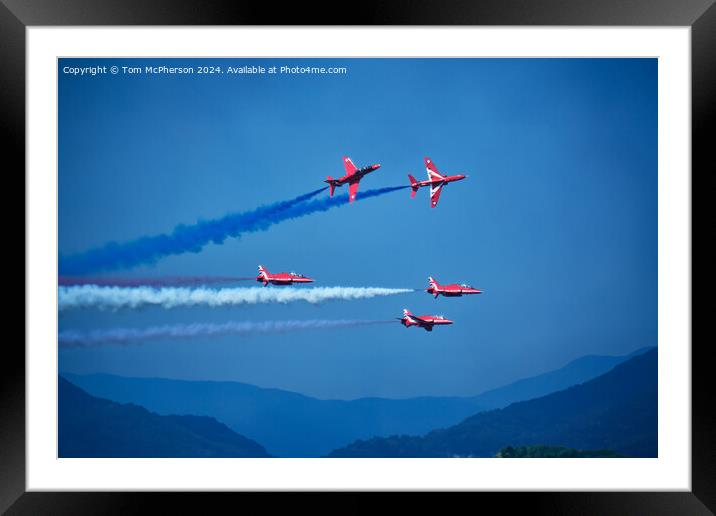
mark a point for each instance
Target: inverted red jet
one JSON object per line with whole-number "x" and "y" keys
{"x": 352, "y": 177}
{"x": 425, "y": 322}
{"x": 280, "y": 278}
{"x": 435, "y": 181}
{"x": 453, "y": 290}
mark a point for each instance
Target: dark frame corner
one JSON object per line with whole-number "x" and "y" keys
{"x": 700, "y": 15}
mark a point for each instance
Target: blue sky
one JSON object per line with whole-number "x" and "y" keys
{"x": 557, "y": 221}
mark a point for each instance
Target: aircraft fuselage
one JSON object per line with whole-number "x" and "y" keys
{"x": 281, "y": 278}
{"x": 452, "y": 290}
{"x": 353, "y": 177}
{"x": 426, "y": 322}
{"x": 446, "y": 180}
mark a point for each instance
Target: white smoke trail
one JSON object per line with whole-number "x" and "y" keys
{"x": 74, "y": 339}
{"x": 93, "y": 296}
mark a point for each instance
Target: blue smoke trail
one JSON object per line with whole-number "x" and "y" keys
{"x": 193, "y": 238}
{"x": 317, "y": 205}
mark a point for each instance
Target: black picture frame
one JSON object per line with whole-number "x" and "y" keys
{"x": 700, "y": 15}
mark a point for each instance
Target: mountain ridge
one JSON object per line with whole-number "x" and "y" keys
{"x": 319, "y": 425}
{"x": 617, "y": 411}
{"x": 89, "y": 426}
{"x": 572, "y": 373}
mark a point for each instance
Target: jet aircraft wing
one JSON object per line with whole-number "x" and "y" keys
{"x": 353, "y": 190}
{"x": 350, "y": 167}
{"x": 433, "y": 173}
{"x": 435, "y": 194}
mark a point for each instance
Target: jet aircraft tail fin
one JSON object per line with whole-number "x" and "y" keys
{"x": 434, "y": 286}
{"x": 414, "y": 186}
{"x": 262, "y": 275}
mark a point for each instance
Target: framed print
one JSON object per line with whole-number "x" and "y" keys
{"x": 382, "y": 257}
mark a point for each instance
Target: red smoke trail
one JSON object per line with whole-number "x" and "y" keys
{"x": 162, "y": 281}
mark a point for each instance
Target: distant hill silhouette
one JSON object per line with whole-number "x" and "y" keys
{"x": 615, "y": 411}
{"x": 575, "y": 372}
{"x": 95, "y": 427}
{"x": 293, "y": 425}
{"x": 287, "y": 423}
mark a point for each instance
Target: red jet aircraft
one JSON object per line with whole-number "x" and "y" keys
{"x": 280, "y": 278}
{"x": 423, "y": 321}
{"x": 352, "y": 177}
{"x": 453, "y": 290}
{"x": 435, "y": 181}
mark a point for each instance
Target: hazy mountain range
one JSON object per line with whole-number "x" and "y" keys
{"x": 94, "y": 427}
{"x": 289, "y": 424}
{"x": 616, "y": 411}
